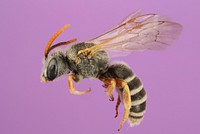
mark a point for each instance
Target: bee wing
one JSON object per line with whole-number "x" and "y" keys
{"x": 138, "y": 32}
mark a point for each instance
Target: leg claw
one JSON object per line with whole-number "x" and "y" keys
{"x": 105, "y": 86}
{"x": 88, "y": 90}
{"x": 111, "y": 98}
{"x": 110, "y": 95}
{"x": 116, "y": 114}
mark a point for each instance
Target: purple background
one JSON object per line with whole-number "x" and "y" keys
{"x": 171, "y": 78}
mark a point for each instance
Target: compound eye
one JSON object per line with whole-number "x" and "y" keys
{"x": 52, "y": 69}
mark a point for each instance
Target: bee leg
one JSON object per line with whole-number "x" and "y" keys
{"x": 110, "y": 84}
{"x": 110, "y": 89}
{"x": 117, "y": 106}
{"x": 126, "y": 101}
{"x": 72, "y": 89}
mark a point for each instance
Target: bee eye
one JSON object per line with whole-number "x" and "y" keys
{"x": 52, "y": 69}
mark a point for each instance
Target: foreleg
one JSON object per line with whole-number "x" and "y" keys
{"x": 71, "y": 86}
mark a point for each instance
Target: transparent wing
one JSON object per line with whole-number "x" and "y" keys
{"x": 138, "y": 32}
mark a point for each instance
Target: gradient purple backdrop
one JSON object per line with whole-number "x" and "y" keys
{"x": 171, "y": 77}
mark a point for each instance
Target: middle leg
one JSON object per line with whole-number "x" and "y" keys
{"x": 110, "y": 84}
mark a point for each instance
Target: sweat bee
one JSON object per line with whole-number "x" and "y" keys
{"x": 90, "y": 59}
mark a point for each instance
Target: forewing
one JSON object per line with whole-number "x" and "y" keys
{"x": 136, "y": 33}
{"x": 116, "y": 30}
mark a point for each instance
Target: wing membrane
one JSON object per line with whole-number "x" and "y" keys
{"x": 136, "y": 33}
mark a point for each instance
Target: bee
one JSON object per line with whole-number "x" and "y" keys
{"x": 90, "y": 59}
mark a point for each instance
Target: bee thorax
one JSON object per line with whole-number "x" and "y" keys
{"x": 87, "y": 67}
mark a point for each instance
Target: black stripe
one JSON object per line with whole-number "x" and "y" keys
{"x": 138, "y": 95}
{"x": 120, "y": 71}
{"x": 138, "y": 108}
{"x": 135, "y": 117}
{"x": 134, "y": 84}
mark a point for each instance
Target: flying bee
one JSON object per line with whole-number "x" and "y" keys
{"x": 90, "y": 59}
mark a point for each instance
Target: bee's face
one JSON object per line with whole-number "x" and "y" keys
{"x": 54, "y": 66}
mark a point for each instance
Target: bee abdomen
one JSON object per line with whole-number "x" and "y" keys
{"x": 138, "y": 100}
{"x": 137, "y": 92}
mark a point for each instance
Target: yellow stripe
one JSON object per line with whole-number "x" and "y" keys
{"x": 135, "y": 91}
{"x": 137, "y": 114}
{"x": 138, "y": 102}
{"x": 129, "y": 79}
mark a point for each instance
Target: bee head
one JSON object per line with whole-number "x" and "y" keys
{"x": 56, "y": 64}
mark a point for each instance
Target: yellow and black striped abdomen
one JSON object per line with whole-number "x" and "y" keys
{"x": 137, "y": 92}
{"x": 138, "y": 100}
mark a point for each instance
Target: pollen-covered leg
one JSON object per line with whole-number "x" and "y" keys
{"x": 72, "y": 89}
{"x": 126, "y": 101}
{"x": 117, "y": 106}
{"x": 110, "y": 84}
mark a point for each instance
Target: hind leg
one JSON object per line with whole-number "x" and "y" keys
{"x": 126, "y": 98}
{"x": 117, "y": 106}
